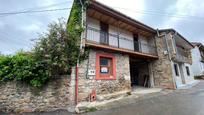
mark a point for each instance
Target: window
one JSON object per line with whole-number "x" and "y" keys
{"x": 187, "y": 71}
{"x": 105, "y": 67}
{"x": 176, "y": 69}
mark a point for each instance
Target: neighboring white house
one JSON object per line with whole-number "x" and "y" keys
{"x": 198, "y": 59}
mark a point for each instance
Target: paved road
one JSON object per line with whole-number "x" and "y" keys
{"x": 180, "y": 102}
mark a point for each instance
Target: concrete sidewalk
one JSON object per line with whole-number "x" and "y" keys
{"x": 124, "y": 99}
{"x": 189, "y": 85}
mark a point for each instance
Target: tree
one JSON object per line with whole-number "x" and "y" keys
{"x": 52, "y": 50}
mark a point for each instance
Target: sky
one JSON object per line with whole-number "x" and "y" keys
{"x": 19, "y": 31}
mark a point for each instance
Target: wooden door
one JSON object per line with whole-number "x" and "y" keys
{"x": 136, "y": 42}
{"x": 104, "y": 33}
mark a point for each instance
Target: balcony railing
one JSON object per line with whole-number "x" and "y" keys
{"x": 202, "y": 58}
{"x": 115, "y": 40}
{"x": 181, "y": 55}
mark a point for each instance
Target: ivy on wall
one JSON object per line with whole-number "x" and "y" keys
{"x": 75, "y": 29}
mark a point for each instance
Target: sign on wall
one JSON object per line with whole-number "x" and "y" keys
{"x": 91, "y": 72}
{"x": 104, "y": 70}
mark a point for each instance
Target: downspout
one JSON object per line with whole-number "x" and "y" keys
{"x": 80, "y": 49}
{"x": 165, "y": 37}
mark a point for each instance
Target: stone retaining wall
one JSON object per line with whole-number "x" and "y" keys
{"x": 18, "y": 97}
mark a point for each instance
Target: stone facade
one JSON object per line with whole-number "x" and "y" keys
{"x": 161, "y": 68}
{"x": 171, "y": 48}
{"x": 88, "y": 83}
{"x": 17, "y": 97}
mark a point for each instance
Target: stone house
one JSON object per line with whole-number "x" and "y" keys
{"x": 125, "y": 53}
{"x": 198, "y": 59}
{"x": 177, "y": 50}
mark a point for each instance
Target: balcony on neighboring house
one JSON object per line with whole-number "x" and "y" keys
{"x": 202, "y": 56}
{"x": 202, "y": 59}
{"x": 181, "y": 55}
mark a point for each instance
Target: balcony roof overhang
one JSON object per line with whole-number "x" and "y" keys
{"x": 106, "y": 14}
{"x": 179, "y": 39}
{"x": 120, "y": 50}
{"x": 199, "y": 45}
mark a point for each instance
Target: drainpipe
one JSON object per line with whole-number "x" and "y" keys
{"x": 165, "y": 37}
{"x": 77, "y": 66}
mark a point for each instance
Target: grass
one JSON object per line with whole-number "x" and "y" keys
{"x": 129, "y": 93}
{"x": 91, "y": 109}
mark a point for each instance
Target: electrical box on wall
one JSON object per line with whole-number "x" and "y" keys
{"x": 91, "y": 72}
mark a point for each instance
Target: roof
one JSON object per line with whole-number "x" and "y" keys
{"x": 196, "y": 43}
{"x": 200, "y": 45}
{"x": 103, "y": 8}
{"x": 173, "y": 30}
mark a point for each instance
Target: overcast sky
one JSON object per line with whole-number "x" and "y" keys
{"x": 17, "y": 31}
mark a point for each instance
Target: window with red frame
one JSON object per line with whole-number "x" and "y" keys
{"x": 105, "y": 67}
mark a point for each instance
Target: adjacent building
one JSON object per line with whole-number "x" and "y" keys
{"x": 125, "y": 53}
{"x": 177, "y": 52}
{"x": 198, "y": 59}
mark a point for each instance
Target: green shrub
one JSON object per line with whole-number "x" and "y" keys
{"x": 6, "y": 68}
{"x": 23, "y": 67}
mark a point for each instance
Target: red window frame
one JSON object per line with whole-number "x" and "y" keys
{"x": 100, "y": 76}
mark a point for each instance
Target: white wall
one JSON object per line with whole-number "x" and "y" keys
{"x": 183, "y": 78}
{"x": 126, "y": 38}
{"x": 197, "y": 65}
{"x": 113, "y": 41}
{"x": 91, "y": 35}
{"x": 143, "y": 46}
{"x": 124, "y": 43}
{"x": 189, "y": 78}
{"x": 177, "y": 79}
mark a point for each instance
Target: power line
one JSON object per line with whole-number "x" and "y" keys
{"x": 152, "y": 12}
{"x": 41, "y": 7}
{"x": 33, "y": 11}
{"x": 149, "y": 12}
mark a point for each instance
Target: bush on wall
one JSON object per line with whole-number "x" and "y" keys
{"x": 22, "y": 67}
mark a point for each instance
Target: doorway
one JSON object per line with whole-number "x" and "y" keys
{"x": 139, "y": 73}
{"x": 136, "y": 42}
{"x": 104, "y": 37}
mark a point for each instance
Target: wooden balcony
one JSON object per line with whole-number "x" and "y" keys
{"x": 181, "y": 55}
{"x": 102, "y": 40}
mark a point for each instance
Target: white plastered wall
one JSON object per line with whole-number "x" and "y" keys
{"x": 197, "y": 66}
{"x": 188, "y": 78}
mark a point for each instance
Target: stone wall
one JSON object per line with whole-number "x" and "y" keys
{"x": 18, "y": 97}
{"x": 88, "y": 83}
{"x": 161, "y": 68}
